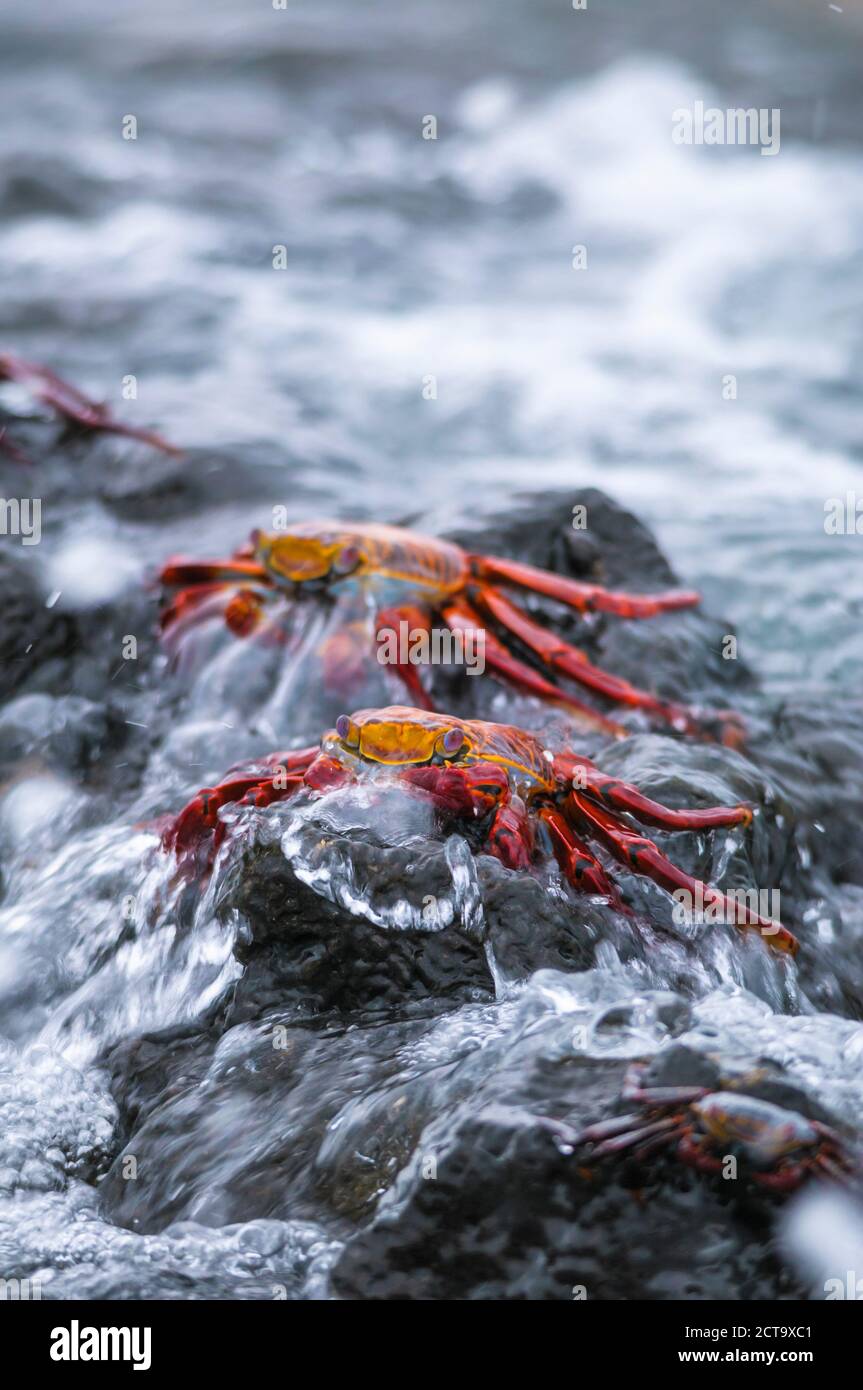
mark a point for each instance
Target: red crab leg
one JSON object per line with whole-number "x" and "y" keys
{"x": 691, "y": 1151}
{"x": 417, "y": 619}
{"x": 606, "y": 1129}
{"x": 188, "y": 603}
{"x": 669, "y": 1128}
{"x": 201, "y": 815}
{"x": 567, "y": 660}
{"x": 587, "y": 598}
{"x": 510, "y": 839}
{"x": 463, "y": 618}
{"x": 624, "y": 797}
{"x": 658, "y": 1096}
{"x": 179, "y": 572}
{"x": 831, "y": 1167}
{"x": 582, "y": 869}
{"x": 642, "y": 855}
{"x": 343, "y": 656}
{"x": 785, "y": 1179}
{"x": 241, "y": 612}
{"x": 72, "y": 404}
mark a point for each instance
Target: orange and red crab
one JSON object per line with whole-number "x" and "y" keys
{"x": 408, "y": 578}
{"x": 513, "y": 797}
{"x": 705, "y": 1126}
{"x": 70, "y": 404}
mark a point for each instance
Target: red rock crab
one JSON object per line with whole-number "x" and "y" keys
{"x": 517, "y": 795}
{"x": 410, "y": 578}
{"x": 706, "y": 1125}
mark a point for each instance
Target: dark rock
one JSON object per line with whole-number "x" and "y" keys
{"x": 33, "y": 638}
{"x": 676, "y": 655}
{"x": 339, "y": 1080}
{"x": 303, "y": 950}
{"x": 233, "y": 1130}
{"x": 680, "y": 1066}
{"x": 495, "y": 1205}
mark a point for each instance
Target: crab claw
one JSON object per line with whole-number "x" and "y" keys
{"x": 199, "y": 818}
{"x": 188, "y": 830}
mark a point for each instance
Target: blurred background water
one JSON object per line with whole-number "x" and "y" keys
{"x": 408, "y": 258}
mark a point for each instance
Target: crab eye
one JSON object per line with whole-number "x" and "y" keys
{"x": 347, "y": 560}
{"x": 347, "y": 731}
{"x": 452, "y": 741}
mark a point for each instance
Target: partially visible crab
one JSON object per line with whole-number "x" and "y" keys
{"x": 518, "y": 798}
{"x": 70, "y": 404}
{"x": 707, "y": 1124}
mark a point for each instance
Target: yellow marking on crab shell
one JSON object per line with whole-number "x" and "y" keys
{"x": 385, "y": 743}
{"x": 387, "y": 739}
{"x": 297, "y": 558}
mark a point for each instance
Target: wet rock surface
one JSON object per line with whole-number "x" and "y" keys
{"x": 673, "y": 655}
{"x": 505, "y": 1218}
{"x": 304, "y": 950}
{"x": 140, "y": 1016}
{"x": 377, "y": 1102}
{"x": 497, "y": 1202}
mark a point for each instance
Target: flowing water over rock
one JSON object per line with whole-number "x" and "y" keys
{"x": 351, "y": 1064}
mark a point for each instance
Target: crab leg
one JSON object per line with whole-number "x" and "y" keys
{"x": 461, "y": 617}
{"x": 568, "y": 661}
{"x": 201, "y": 815}
{"x": 607, "y": 1129}
{"x": 181, "y": 572}
{"x": 343, "y": 658}
{"x": 244, "y": 612}
{"x": 417, "y": 619}
{"x": 191, "y": 605}
{"x": 624, "y": 797}
{"x": 833, "y": 1169}
{"x": 510, "y": 839}
{"x": 690, "y": 1150}
{"x": 586, "y": 598}
{"x": 241, "y": 612}
{"x": 72, "y": 404}
{"x": 668, "y": 1128}
{"x": 582, "y": 869}
{"x": 643, "y": 856}
{"x": 657, "y": 1096}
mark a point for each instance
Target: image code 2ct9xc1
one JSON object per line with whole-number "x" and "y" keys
{"x": 431, "y": 736}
